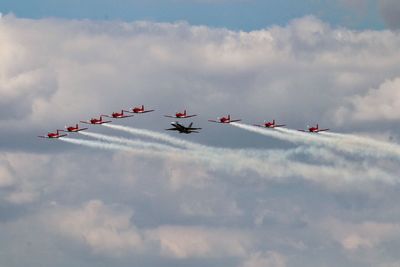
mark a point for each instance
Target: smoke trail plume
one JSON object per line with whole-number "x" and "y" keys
{"x": 379, "y": 147}
{"x": 350, "y": 144}
{"x": 271, "y": 163}
{"x": 266, "y": 132}
{"x": 113, "y": 146}
{"x": 154, "y": 135}
{"x": 134, "y": 143}
{"x": 95, "y": 144}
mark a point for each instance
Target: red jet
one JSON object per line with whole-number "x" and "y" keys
{"x": 315, "y": 129}
{"x": 96, "y": 121}
{"x": 139, "y": 110}
{"x": 224, "y": 120}
{"x": 53, "y": 135}
{"x": 180, "y": 115}
{"x": 270, "y": 124}
{"x": 74, "y": 128}
{"x": 117, "y": 115}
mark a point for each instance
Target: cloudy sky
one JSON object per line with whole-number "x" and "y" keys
{"x": 233, "y": 195}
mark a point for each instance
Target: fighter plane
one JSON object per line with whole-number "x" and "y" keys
{"x": 96, "y": 121}
{"x": 269, "y": 124}
{"x": 224, "y": 120}
{"x": 315, "y": 129}
{"x": 74, "y": 128}
{"x": 53, "y": 135}
{"x": 182, "y": 129}
{"x": 180, "y": 115}
{"x": 117, "y": 115}
{"x": 139, "y": 110}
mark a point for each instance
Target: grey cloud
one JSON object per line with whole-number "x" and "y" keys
{"x": 115, "y": 208}
{"x": 390, "y": 11}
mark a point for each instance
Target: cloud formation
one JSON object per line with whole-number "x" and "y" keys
{"x": 390, "y": 10}
{"x": 247, "y": 199}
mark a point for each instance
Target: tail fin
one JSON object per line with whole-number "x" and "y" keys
{"x": 76, "y": 126}
{"x": 190, "y": 125}
{"x": 317, "y": 126}
{"x": 184, "y": 112}
{"x": 273, "y": 121}
{"x": 142, "y": 107}
{"x": 229, "y": 116}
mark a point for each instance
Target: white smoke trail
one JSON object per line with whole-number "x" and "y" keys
{"x": 276, "y": 163}
{"x": 267, "y": 132}
{"x": 95, "y": 144}
{"x": 129, "y": 142}
{"x": 349, "y": 144}
{"x": 377, "y": 146}
{"x": 154, "y": 135}
{"x": 352, "y": 144}
{"x": 112, "y": 146}
{"x": 210, "y": 151}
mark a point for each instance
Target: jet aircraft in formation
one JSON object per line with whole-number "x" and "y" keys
{"x": 53, "y": 135}
{"x": 269, "y": 124}
{"x": 180, "y": 115}
{"x": 139, "y": 110}
{"x": 183, "y": 129}
{"x": 226, "y": 119}
{"x": 96, "y": 121}
{"x": 117, "y": 115}
{"x": 176, "y": 125}
{"x": 74, "y": 128}
{"x": 313, "y": 129}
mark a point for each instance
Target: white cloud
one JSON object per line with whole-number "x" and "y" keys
{"x": 233, "y": 208}
{"x": 188, "y": 242}
{"x": 268, "y": 259}
{"x": 101, "y": 227}
{"x": 377, "y": 104}
{"x": 6, "y": 178}
{"x": 109, "y": 229}
{"x": 364, "y": 235}
{"x": 298, "y": 73}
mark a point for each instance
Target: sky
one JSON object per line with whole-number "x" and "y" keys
{"x": 236, "y": 14}
{"x": 130, "y": 193}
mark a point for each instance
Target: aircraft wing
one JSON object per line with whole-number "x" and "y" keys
{"x": 259, "y": 125}
{"x": 323, "y": 130}
{"x": 215, "y": 121}
{"x": 43, "y": 136}
{"x": 172, "y": 129}
{"x": 180, "y": 128}
{"x": 104, "y": 122}
{"x": 280, "y": 125}
{"x": 82, "y": 129}
{"x": 150, "y": 110}
{"x": 125, "y": 116}
{"x": 234, "y": 120}
{"x": 302, "y": 130}
{"x": 169, "y": 116}
{"x": 189, "y": 116}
